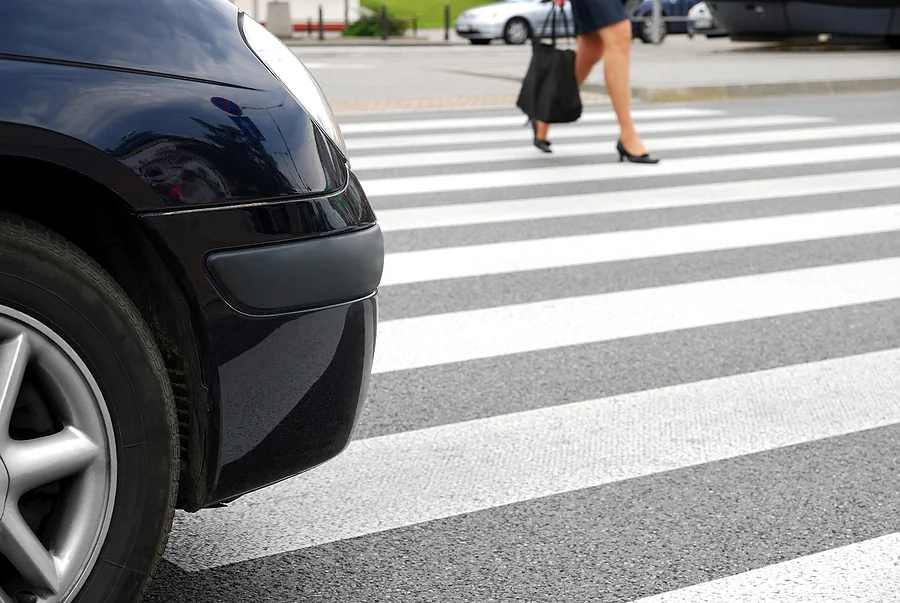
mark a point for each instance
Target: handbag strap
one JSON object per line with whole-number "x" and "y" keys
{"x": 543, "y": 33}
{"x": 552, "y": 13}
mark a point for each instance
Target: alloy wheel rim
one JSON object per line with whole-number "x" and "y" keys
{"x": 517, "y": 32}
{"x": 57, "y": 461}
{"x": 652, "y": 23}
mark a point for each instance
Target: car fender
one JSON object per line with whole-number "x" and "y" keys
{"x": 176, "y": 104}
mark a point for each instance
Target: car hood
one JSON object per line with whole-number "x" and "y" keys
{"x": 197, "y": 39}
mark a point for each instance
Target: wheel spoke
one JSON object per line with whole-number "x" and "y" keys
{"x": 13, "y": 360}
{"x": 26, "y": 552}
{"x": 33, "y": 463}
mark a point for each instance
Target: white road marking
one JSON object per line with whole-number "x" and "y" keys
{"x": 404, "y": 479}
{"x": 458, "y": 123}
{"x": 493, "y": 212}
{"x": 568, "y": 132}
{"x": 556, "y": 175}
{"x": 866, "y": 571}
{"x": 538, "y": 254}
{"x": 599, "y": 149}
{"x": 432, "y": 340}
{"x": 443, "y": 110}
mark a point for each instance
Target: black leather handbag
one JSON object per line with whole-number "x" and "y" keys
{"x": 550, "y": 91}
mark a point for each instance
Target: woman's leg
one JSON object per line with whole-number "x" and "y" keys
{"x": 588, "y": 52}
{"x": 617, "y": 43}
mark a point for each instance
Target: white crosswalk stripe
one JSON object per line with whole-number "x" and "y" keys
{"x": 379, "y": 127}
{"x": 569, "y": 132}
{"x": 866, "y": 571}
{"x": 488, "y": 332}
{"x": 708, "y": 141}
{"x": 388, "y": 482}
{"x": 519, "y": 256}
{"x": 557, "y": 175}
{"x": 493, "y": 257}
{"x": 562, "y": 206}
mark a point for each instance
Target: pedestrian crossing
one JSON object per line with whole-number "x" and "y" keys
{"x": 554, "y": 176}
{"x": 660, "y": 383}
{"x": 465, "y": 140}
{"x": 710, "y": 141}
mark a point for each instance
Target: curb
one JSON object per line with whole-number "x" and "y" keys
{"x": 745, "y": 91}
{"x": 733, "y": 91}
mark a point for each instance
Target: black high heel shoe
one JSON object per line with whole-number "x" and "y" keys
{"x": 623, "y": 155}
{"x": 543, "y": 145}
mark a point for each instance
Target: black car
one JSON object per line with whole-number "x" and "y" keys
{"x": 805, "y": 20}
{"x": 188, "y": 281}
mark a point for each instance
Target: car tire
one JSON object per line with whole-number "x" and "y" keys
{"x": 647, "y": 31}
{"x": 516, "y": 31}
{"x": 78, "y": 326}
{"x": 893, "y": 42}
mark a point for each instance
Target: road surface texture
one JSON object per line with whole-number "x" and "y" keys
{"x": 607, "y": 382}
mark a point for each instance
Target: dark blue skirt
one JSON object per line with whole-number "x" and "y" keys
{"x": 591, "y": 15}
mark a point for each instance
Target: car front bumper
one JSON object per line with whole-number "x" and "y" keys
{"x": 479, "y": 30}
{"x": 285, "y": 300}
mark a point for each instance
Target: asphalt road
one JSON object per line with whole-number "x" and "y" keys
{"x": 607, "y": 382}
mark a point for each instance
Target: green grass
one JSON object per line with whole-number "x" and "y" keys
{"x": 430, "y": 13}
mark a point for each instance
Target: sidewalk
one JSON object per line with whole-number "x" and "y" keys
{"x": 457, "y": 74}
{"x": 683, "y": 69}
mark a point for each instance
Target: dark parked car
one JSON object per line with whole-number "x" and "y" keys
{"x": 674, "y": 10}
{"x": 188, "y": 276}
{"x": 795, "y": 20}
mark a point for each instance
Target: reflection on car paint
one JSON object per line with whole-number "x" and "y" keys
{"x": 150, "y": 115}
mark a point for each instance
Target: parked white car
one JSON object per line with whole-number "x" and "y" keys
{"x": 513, "y": 21}
{"x": 702, "y": 21}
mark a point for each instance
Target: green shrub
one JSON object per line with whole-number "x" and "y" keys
{"x": 371, "y": 27}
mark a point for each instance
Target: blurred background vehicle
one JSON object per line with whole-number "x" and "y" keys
{"x": 513, "y": 21}
{"x": 516, "y": 21}
{"x": 701, "y": 21}
{"x": 675, "y": 19}
{"x": 792, "y": 20}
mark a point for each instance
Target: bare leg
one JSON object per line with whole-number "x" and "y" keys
{"x": 588, "y": 53}
{"x": 617, "y": 42}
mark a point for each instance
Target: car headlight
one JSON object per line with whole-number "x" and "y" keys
{"x": 294, "y": 76}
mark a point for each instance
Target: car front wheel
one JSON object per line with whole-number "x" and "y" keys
{"x": 88, "y": 462}
{"x": 516, "y": 31}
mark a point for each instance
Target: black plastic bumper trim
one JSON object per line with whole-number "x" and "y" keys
{"x": 300, "y": 275}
